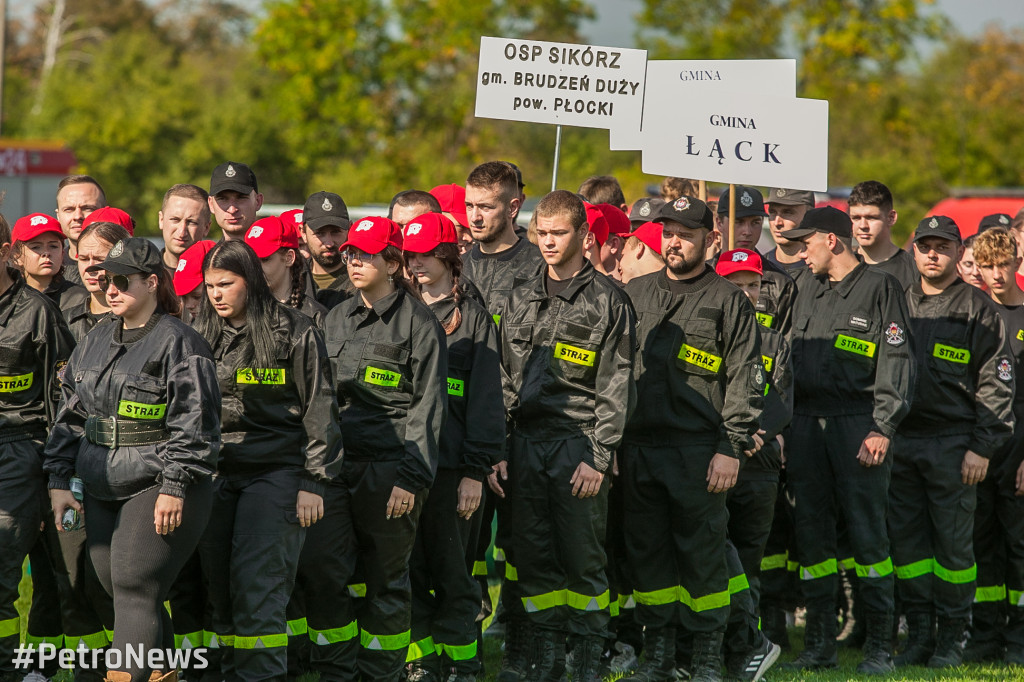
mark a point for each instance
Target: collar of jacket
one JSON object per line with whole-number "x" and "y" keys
{"x": 846, "y": 284}
{"x": 698, "y": 283}
{"x": 584, "y": 277}
{"x": 918, "y": 293}
{"x": 507, "y": 254}
{"x": 9, "y": 299}
{"x": 384, "y": 307}
{"x": 443, "y": 308}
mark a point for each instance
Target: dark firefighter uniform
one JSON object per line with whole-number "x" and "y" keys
{"x": 700, "y": 382}
{"x": 997, "y": 616}
{"x": 963, "y": 401}
{"x": 74, "y": 308}
{"x": 445, "y": 597}
{"x": 34, "y": 345}
{"x": 853, "y": 374}
{"x": 494, "y": 276}
{"x": 775, "y": 304}
{"x": 390, "y": 371}
{"x": 901, "y": 266}
{"x": 751, "y": 503}
{"x": 566, "y": 363}
{"x": 280, "y": 435}
{"x": 135, "y": 414}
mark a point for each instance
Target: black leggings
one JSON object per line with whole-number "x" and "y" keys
{"x": 137, "y": 567}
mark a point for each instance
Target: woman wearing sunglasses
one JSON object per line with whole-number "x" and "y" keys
{"x": 139, "y": 422}
{"x": 389, "y": 367}
{"x": 83, "y": 310}
{"x": 445, "y": 597}
{"x": 281, "y": 446}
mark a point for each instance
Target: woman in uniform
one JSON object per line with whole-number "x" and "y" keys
{"x": 388, "y": 359}
{"x": 445, "y": 597}
{"x": 139, "y": 423}
{"x": 83, "y": 310}
{"x": 281, "y": 445}
{"x": 277, "y": 245}
{"x": 38, "y": 251}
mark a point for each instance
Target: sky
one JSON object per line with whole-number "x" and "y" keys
{"x": 615, "y": 25}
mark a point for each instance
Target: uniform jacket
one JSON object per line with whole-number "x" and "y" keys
{"x": 699, "y": 373}
{"x": 964, "y": 368}
{"x": 339, "y": 290}
{"x": 391, "y": 375}
{"x": 74, "y": 308}
{"x": 280, "y": 416}
{"x": 34, "y": 345}
{"x": 902, "y": 267}
{"x": 169, "y": 372}
{"x": 474, "y": 432}
{"x": 852, "y": 353}
{"x": 778, "y": 290}
{"x": 496, "y": 275}
{"x": 566, "y": 361}
{"x": 778, "y": 402}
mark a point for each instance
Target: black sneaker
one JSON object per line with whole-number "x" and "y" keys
{"x": 983, "y": 652}
{"x": 754, "y": 664}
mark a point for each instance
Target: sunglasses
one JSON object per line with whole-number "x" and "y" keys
{"x": 351, "y": 254}
{"x": 120, "y": 282}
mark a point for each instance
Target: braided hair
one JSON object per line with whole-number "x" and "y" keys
{"x": 448, "y": 254}
{"x": 298, "y": 271}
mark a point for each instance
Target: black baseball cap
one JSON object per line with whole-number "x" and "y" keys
{"x": 995, "y": 220}
{"x": 644, "y": 209}
{"x": 749, "y": 202}
{"x": 938, "y": 226}
{"x": 790, "y": 197}
{"x": 827, "y": 219}
{"x": 687, "y": 211}
{"x": 131, "y": 256}
{"x": 323, "y": 209}
{"x": 233, "y": 176}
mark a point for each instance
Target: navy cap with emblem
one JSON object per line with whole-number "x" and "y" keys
{"x": 749, "y": 202}
{"x": 827, "y": 219}
{"x": 995, "y": 220}
{"x": 644, "y": 209}
{"x": 686, "y": 211}
{"x": 233, "y": 176}
{"x": 323, "y": 209}
{"x": 131, "y": 256}
{"x": 938, "y": 226}
{"x": 790, "y": 197}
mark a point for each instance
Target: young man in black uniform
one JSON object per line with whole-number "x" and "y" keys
{"x": 873, "y": 216}
{"x": 775, "y": 304}
{"x": 234, "y": 198}
{"x": 700, "y": 384}
{"x": 997, "y": 616}
{"x": 498, "y": 261}
{"x": 853, "y": 375}
{"x": 752, "y": 502}
{"x": 961, "y": 417}
{"x": 567, "y": 347}
{"x": 325, "y": 226}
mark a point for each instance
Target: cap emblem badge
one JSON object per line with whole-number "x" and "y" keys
{"x": 255, "y": 232}
{"x": 413, "y": 229}
{"x": 747, "y": 200}
{"x": 230, "y": 172}
{"x": 364, "y": 226}
{"x": 645, "y": 210}
{"x": 117, "y": 250}
{"x": 681, "y": 204}
{"x": 38, "y": 220}
{"x": 738, "y": 257}
{"x": 182, "y": 264}
{"x": 933, "y": 223}
{"x": 298, "y": 217}
{"x": 780, "y": 193}
{"x": 1003, "y": 220}
{"x": 327, "y": 205}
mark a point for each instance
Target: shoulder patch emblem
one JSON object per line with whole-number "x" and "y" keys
{"x": 894, "y": 335}
{"x": 1005, "y": 370}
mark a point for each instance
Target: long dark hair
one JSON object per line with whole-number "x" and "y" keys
{"x": 166, "y": 299}
{"x": 449, "y": 255}
{"x": 298, "y": 273}
{"x": 258, "y": 345}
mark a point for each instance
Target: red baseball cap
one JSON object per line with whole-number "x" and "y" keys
{"x": 372, "y": 235}
{"x": 424, "y": 233}
{"x": 189, "y": 273}
{"x": 27, "y": 228}
{"x": 293, "y": 218}
{"x": 453, "y": 200}
{"x": 739, "y": 260}
{"x": 650, "y": 235}
{"x": 618, "y": 222}
{"x": 109, "y": 214}
{"x": 598, "y": 223}
{"x": 268, "y": 235}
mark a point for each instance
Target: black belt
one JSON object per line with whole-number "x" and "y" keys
{"x": 15, "y": 435}
{"x": 112, "y": 432}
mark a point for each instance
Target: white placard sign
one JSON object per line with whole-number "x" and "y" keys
{"x": 736, "y": 138}
{"x": 682, "y": 79}
{"x": 559, "y": 83}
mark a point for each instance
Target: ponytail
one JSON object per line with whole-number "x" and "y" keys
{"x": 298, "y": 271}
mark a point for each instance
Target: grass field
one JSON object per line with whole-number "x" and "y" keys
{"x": 848, "y": 660}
